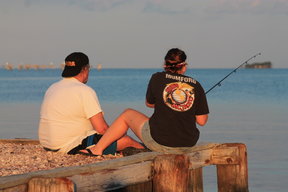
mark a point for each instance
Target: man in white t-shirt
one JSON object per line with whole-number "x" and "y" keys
{"x": 71, "y": 118}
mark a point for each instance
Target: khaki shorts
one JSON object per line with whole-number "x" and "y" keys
{"x": 154, "y": 146}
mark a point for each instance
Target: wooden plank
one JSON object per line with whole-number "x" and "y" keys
{"x": 18, "y": 188}
{"x": 218, "y": 154}
{"x": 50, "y": 185}
{"x": 234, "y": 178}
{"x": 200, "y": 159}
{"x": 171, "y": 173}
{"x": 13, "y": 180}
{"x": 19, "y": 141}
{"x": 225, "y": 154}
{"x": 113, "y": 178}
{"x": 200, "y": 155}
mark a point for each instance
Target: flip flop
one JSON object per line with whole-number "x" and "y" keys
{"x": 132, "y": 151}
{"x": 88, "y": 154}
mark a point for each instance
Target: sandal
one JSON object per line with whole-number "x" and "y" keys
{"x": 88, "y": 154}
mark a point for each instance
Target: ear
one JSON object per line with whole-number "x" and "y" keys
{"x": 183, "y": 70}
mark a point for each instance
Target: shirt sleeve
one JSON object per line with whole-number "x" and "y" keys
{"x": 150, "y": 97}
{"x": 91, "y": 103}
{"x": 202, "y": 104}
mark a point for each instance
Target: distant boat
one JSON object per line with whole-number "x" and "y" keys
{"x": 263, "y": 65}
{"x": 99, "y": 67}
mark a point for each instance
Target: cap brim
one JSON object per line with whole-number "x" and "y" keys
{"x": 71, "y": 71}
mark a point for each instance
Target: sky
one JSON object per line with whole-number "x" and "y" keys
{"x": 138, "y": 33}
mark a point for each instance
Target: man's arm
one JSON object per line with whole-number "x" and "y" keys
{"x": 201, "y": 119}
{"x": 98, "y": 122}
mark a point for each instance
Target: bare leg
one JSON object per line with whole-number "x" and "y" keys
{"x": 127, "y": 141}
{"x": 129, "y": 118}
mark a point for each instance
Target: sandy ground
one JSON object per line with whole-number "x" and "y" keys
{"x": 20, "y": 158}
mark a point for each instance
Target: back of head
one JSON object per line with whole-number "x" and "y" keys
{"x": 74, "y": 64}
{"x": 174, "y": 60}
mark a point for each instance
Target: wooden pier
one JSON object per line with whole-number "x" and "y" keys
{"x": 143, "y": 172}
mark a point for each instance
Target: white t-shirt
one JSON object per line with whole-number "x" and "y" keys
{"x": 65, "y": 112}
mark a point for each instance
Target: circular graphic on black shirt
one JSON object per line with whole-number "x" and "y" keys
{"x": 179, "y": 96}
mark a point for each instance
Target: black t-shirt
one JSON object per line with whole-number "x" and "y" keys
{"x": 177, "y": 98}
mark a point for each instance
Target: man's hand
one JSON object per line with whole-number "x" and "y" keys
{"x": 201, "y": 119}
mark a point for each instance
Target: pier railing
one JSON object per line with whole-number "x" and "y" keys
{"x": 148, "y": 171}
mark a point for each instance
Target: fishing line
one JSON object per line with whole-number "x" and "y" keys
{"x": 234, "y": 71}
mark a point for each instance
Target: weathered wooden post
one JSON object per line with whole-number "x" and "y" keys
{"x": 171, "y": 173}
{"x": 50, "y": 185}
{"x": 233, "y": 177}
{"x": 195, "y": 180}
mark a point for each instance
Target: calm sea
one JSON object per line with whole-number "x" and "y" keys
{"x": 249, "y": 107}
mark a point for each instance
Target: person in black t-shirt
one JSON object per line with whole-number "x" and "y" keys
{"x": 179, "y": 104}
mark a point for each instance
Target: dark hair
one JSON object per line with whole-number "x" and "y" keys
{"x": 174, "y": 60}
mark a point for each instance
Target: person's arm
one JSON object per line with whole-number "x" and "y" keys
{"x": 98, "y": 122}
{"x": 201, "y": 119}
{"x": 150, "y": 96}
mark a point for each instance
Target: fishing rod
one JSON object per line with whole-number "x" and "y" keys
{"x": 234, "y": 71}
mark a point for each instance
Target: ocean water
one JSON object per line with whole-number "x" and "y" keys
{"x": 249, "y": 107}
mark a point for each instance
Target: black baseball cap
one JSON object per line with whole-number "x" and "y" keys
{"x": 74, "y": 63}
